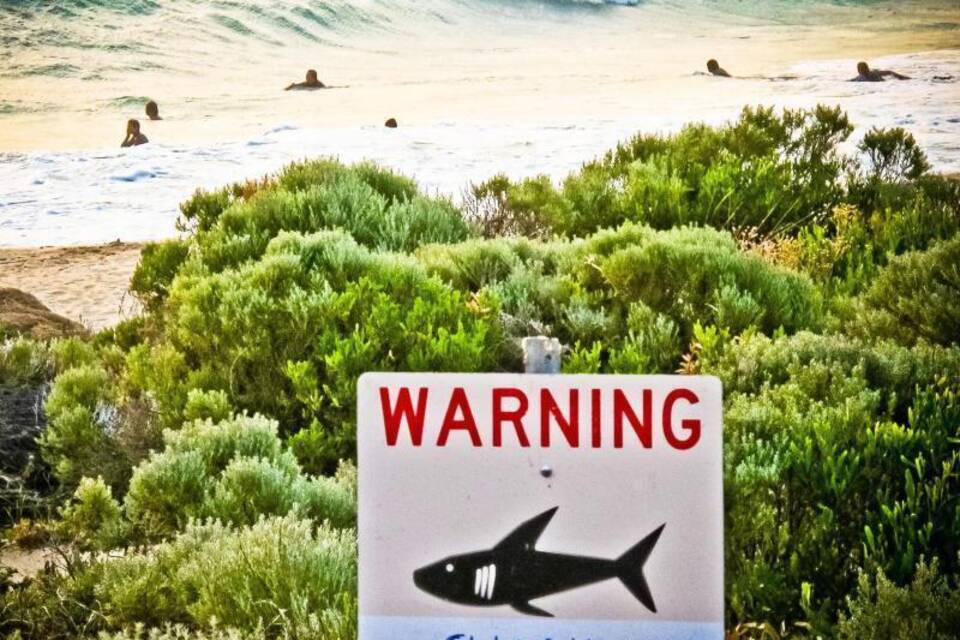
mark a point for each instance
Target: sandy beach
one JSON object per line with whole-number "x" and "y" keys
{"x": 86, "y": 284}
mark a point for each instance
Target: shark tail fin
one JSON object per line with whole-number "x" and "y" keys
{"x": 630, "y": 568}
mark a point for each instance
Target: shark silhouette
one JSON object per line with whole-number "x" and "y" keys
{"x": 514, "y": 572}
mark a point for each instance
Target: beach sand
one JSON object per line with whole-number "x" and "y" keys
{"x": 86, "y": 284}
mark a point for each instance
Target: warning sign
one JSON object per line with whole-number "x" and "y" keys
{"x": 515, "y": 507}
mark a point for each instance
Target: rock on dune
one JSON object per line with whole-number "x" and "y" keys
{"x": 21, "y": 312}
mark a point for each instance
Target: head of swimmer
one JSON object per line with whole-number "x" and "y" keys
{"x": 133, "y": 128}
{"x": 153, "y": 111}
{"x": 712, "y": 65}
{"x": 312, "y": 77}
{"x": 863, "y": 68}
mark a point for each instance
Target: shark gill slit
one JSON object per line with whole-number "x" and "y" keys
{"x": 493, "y": 581}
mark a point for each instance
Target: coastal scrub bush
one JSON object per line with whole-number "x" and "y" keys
{"x": 928, "y": 607}
{"x": 93, "y": 517}
{"x": 158, "y": 264}
{"x": 72, "y": 352}
{"x": 24, "y": 361}
{"x": 917, "y": 297}
{"x": 754, "y": 362}
{"x": 312, "y": 315}
{"x": 582, "y": 290}
{"x": 77, "y": 441}
{"x": 839, "y": 455}
{"x": 236, "y": 471}
{"x": 698, "y": 274}
{"x": 893, "y": 155}
{"x": 779, "y": 176}
{"x": 207, "y": 405}
{"x": 379, "y": 208}
{"x": 280, "y": 574}
{"x": 774, "y": 172}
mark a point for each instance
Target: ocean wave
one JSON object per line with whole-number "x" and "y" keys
{"x": 10, "y": 107}
{"x": 114, "y": 35}
{"x": 121, "y": 25}
{"x": 127, "y": 101}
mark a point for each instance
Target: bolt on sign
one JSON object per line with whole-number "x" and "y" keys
{"x": 528, "y": 507}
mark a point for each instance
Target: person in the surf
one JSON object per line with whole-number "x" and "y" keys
{"x": 312, "y": 82}
{"x": 715, "y": 69}
{"x": 153, "y": 111}
{"x": 134, "y": 137}
{"x": 866, "y": 74}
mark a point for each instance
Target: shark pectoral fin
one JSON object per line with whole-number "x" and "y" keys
{"x": 526, "y": 535}
{"x": 530, "y": 610}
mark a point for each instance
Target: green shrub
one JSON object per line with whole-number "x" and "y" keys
{"x": 72, "y": 352}
{"x": 699, "y": 275}
{"x": 652, "y": 337}
{"x": 893, "y": 155}
{"x": 203, "y": 208}
{"x": 318, "y": 306}
{"x": 917, "y": 297}
{"x": 378, "y": 208}
{"x": 93, "y": 517}
{"x": 166, "y": 491}
{"x": 162, "y": 372}
{"x": 389, "y": 184}
{"x": 159, "y": 263}
{"x": 76, "y": 442}
{"x": 582, "y": 290}
{"x": 207, "y": 405}
{"x": 412, "y": 223}
{"x": 248, "y": 487}
{"x": 473, "y": 264}
{"x": 754, "y": 362}
{"x": 774, "y": 172}
{"x": 929, "y": 608}
{"x": 279, "y": 574}
{"x": 334, "y": 497}
{"x": 25, "y": 362}
{"x": 583, "y": 359}
{"x": 497, "y": 210}
{"x": 235, "y": 470}
{"x": 838, "y": 456}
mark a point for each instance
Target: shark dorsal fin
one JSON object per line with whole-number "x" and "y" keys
{"x": 526, "y": 535}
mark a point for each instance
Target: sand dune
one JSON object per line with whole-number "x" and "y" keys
{"x": 87, "y": 284}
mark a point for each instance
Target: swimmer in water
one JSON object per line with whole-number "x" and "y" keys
{"x": 153, "y": 111}
{"x": 134, "y": 137}
{"x": 312, "y": 82}
{"x": 715, "y": 69}
{"x": 866, "y": 74}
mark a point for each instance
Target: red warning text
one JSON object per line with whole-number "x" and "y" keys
{"x": 542, "y": 418}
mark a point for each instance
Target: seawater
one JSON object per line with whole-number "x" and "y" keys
{"x": 479, "y": 86}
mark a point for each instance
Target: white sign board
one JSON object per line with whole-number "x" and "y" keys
{"x": 535, "y": 507}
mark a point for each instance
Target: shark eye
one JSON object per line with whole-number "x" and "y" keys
{"x": 449, "y": 568}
